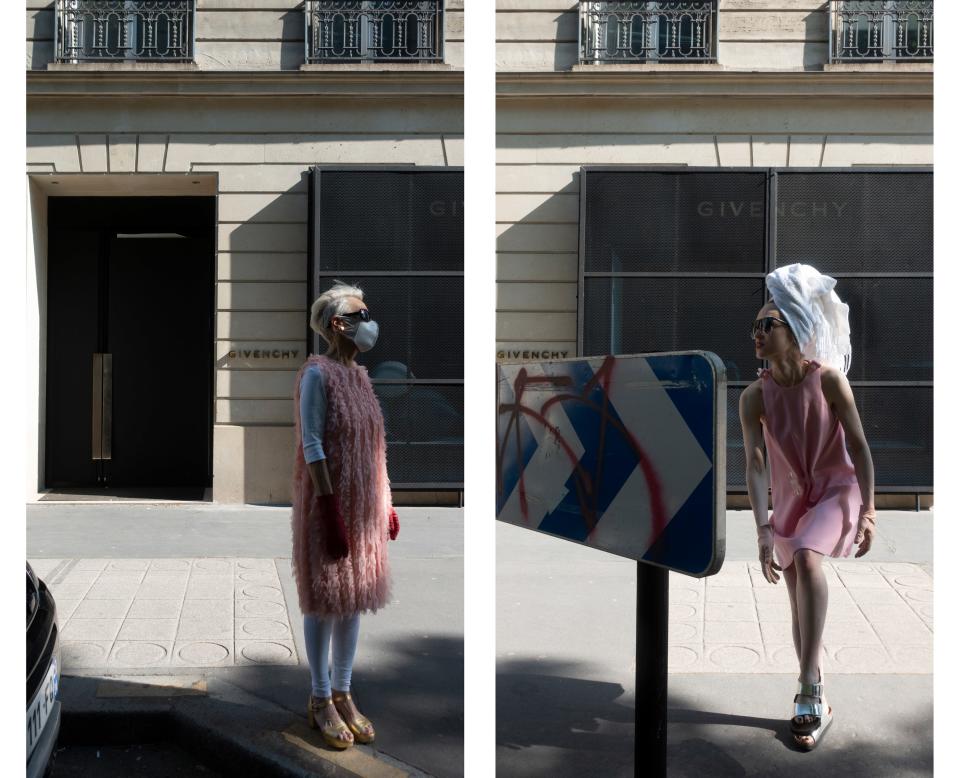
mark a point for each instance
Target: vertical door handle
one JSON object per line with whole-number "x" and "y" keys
{"x": 102, "y": 415}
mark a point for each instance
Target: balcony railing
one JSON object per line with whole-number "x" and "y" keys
{"x": 881, "y": 30}
{"x": 634, "y": 31}
{"x": 374, "y": 30}
{"x": 138, "y": 30}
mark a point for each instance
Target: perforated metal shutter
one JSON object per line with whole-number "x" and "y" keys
{"x": 398, "y": 233}
{"x": 675, "y": 259}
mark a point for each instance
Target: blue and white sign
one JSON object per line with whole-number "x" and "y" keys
{"x": 621, "y": 453}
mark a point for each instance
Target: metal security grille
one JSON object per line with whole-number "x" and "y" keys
{"x": 878, "y": 30}
{"x": 398, "y": 233}
{"x": 379, "y": 30}
{"x": 675, "y": 259}
{"x": 641, "y": 31}
{"x": 139, "y": 30}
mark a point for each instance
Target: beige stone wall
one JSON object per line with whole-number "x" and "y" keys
{"x": 541, "y": 142}
{"x": 541, "y": 35}
{"x": 237, "y": 34}
{"x": 260, "y": 150}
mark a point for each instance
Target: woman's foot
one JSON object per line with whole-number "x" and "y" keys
{"x": 812, "y": 714}
{"x": 359, "y": 724}
{"x": 323, "y": 714}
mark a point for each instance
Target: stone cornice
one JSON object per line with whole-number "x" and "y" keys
{"x": 715, "y": 83}
{"x": 62, "y": 84}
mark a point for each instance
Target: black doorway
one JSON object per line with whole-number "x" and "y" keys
{"x": 130, "y": 344}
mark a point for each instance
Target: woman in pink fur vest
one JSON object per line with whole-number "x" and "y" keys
{"x": 342, "y": 508}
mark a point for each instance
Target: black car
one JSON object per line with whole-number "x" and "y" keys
{"x": 43, "y": 676}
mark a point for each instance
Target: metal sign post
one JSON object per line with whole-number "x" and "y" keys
{"x": 626, "y": 454}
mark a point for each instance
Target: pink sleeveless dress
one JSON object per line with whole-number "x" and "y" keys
{"x": 816, "y": 498}
{"x": 355, "y": 445}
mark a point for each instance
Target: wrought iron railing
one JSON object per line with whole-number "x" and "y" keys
{"x": 377, "y": 30}
{"x": 881, "y": 30}
{"x": 139, "y": 30}
{"x": 636, "y": 31}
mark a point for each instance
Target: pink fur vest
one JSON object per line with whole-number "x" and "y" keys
{"x": 356, "y": 451}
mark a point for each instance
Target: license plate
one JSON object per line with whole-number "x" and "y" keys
{"x": 42, "y": 706}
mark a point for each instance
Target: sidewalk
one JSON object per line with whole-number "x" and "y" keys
{"x": 565, "y": 650}
{"x": 199, "y": 601}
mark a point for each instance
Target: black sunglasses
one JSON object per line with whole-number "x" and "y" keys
{"x": 363, "y": 314}
{"x": 767, "y": 323}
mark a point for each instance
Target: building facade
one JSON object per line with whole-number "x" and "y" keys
{"x": 173, "y": 149}
{"x": 656, "y": 160}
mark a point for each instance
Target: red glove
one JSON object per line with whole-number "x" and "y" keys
{"x": 394, "y": 524}
{"x": 334, "y": 529}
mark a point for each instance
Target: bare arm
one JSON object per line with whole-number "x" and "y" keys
{"x": 837, "y": 392}
{"x": 757, "y": 480}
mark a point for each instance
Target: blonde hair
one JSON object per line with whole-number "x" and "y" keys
{"x": 329, "y": 304}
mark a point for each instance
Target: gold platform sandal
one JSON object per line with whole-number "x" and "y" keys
{"x": 356, "y": 723}
{"x": 330, "y": 730}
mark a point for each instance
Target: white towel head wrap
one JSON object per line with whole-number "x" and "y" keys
{"x": 818, "y": 317}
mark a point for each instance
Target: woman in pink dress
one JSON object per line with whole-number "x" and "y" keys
{"x": 802, "y": 409}
{"x": 342, "y": 508}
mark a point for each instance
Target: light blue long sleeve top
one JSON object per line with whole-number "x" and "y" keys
{"x": 313, "y": 413}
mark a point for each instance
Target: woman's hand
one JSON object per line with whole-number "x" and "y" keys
{"x": 866, "y": 527}
{"x": 393, "y": 524}
{"x": 767, "y": 565}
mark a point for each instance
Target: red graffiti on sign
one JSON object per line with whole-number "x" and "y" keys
{"x": 587, "y": 483}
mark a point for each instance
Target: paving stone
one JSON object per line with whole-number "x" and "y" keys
{"x": 918, "y": 595}
{"x": 886, "y": 611}
{"x": 91, "y": 629}
{"x": 907, "y": 632}
{"x": 849, "y": 633}
{"x": 781, "y": 658}
{"x": 776, "y": 593}
{"x": 77, "y": 655}
{"x": 69, "y": 591}
{"x": 160, "y": 591}
{"x": 864, "y": 581}
{"x": 202, "y": 653}
{"x": 101, "y": 609}
{"x": 730, "y": 594}
{"x": 716, "y": 632}
{"x": 263, "y": 652}
{"x": 887, "y": 595}
{"x": 112, "y": 591}
{"x": 202, "y": 566}
{"x": 684, "y": 658}
{"x": 912, "y": 659}
{"x": 128, "y": 564}
{"x": 733, "y": 659}
{"x": 135, "y": 653}
{"x": 730, "y": 611}
{"x": 912, "y": 582}
{"x": 685, "y": 595}
{"x": 262, "y": 629}
{"x": 776, "y": 632}
{"x": 267, "y": 608}
{"x": 774, "y": 612}
{"x": 258, "y": 576}
{"x": 148, "y": 629}
{"x": 154, "y": 609}
{"x": 857, "y": 659}
{"x": 679, "y": 611}
{"x": 65, "y": 609}
{"x": 733, "y": 577}
{"x": 684, "y": 632}
{"x": 204, "y": 609}
{"x": 260, "y": 592}
{"x": 78, "y": 577}
{"x": 220, "y": 627}
{"x": 91, "y": 564}
{"x": 43, "y": 566}
{"x": 209, "y": 589}
{"x": 170, "y": 565}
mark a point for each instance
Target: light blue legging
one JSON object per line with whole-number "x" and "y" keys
{"x": 316, "y": 635}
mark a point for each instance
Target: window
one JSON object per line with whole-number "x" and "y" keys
{"x": 138, "y": 30}
{"x": 629, "y": 31}
{"x": 881, "y": 30}
{"x": 357, "y": 30}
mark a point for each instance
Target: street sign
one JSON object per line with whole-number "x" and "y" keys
{"x": 622, "y": 453}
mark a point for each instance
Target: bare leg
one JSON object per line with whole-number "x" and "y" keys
{"x": 811, "y": 596}
{"x": 790, "y": 577}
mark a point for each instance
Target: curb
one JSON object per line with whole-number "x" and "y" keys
{"x": 228, "y": 728}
